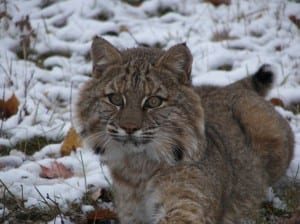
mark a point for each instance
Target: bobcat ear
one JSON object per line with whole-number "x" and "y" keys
{"x": 178, "y": 59}
{"x": 103, "y": 55}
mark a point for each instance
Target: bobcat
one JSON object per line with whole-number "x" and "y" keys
{"x": 178, "y": 153}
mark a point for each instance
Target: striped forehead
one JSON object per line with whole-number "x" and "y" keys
{"x": 141, "y": 82}
{"x": 137, "y": 75}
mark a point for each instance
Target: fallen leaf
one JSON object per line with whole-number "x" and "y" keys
{"x": 57, "y": 170}
{"x": 295, "y": 20}
{"x": 71, "y": 143}
{"x": 277, "y": 102}
{"x": 101, "y": 215}
{"x": 9, "y": 107}
{"x": 295, "y": 219}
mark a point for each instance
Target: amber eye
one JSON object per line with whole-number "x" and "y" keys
{"x": 153, "y": 102}
{"x": 116, "y": 99}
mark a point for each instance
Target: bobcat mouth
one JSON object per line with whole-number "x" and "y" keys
{"x": 130, "y": 139}
{"x": 136, "y": 138}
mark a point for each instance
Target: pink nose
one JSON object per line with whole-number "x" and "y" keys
{"x": 130, "y": 127}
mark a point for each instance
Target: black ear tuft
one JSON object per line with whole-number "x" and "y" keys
{"x": 263, "y": 79}
{"x": 264, "y": 75}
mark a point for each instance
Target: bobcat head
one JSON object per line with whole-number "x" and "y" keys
{"x": 140, "y": 101}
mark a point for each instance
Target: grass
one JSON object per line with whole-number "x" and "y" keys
{"x": 28, "y": 146}
{"x": 18, "y": 213}
{"x": 221, "y": 35}
{"x": 47, "y": 210}
{"x": 289, "y": 194}
{"x": 295, "y": 107}
{"x": 225, "y": 67}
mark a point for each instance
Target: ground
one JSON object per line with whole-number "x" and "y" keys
{"x": 45, "y": 59}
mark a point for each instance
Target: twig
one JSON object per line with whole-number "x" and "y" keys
{"x": 6, "y": 188}
{"x": 71, "y": 107}
{"x": 105, "y": 177}
{"x": 4, "y": 204}
{"x": 12, "y": 195}
{"x": 42, "y": 196}
{"x": 84, "y": 173}
{"x": 57, "y": 207}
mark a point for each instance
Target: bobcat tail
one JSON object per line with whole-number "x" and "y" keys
{"x": 261, "y": 81}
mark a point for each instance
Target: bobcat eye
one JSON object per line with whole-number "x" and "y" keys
{"x": 153, "y": 102}
{"x": 116, "y": 99}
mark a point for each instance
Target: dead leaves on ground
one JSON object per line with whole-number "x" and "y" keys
{"x": 294, "y": 219}
{"x": 292, "y": 106}
{"x": 277, "y": 102}
{"x": 296, "y": 20}
{"x": 71, "y": 143}
{"x": 57, "y": 170}
{"x": 8, "y": 107}
{"x": 101, "y": 215}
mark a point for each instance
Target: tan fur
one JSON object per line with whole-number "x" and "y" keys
{"x": 177, "y": 153}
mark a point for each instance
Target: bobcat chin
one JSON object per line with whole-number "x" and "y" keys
{"x": 180, "y": 153}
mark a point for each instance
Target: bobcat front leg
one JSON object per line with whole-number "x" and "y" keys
{"x": 194, "y": 216}
{"x": 188, "y": 195}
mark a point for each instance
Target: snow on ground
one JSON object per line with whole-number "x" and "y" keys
{"x": 227, "y": 42}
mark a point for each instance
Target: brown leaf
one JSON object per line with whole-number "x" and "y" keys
{"x": 295, "y": 20}
{"x": 57, "y": 170}
{"x": 9, "y": 107}
{"x": 295, "y": 219}
{"x": 101, "y": 214}
{"x": 71, "y": 143}
{"x": 277, "y": 102}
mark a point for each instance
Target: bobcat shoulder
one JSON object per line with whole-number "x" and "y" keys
{"x": 178, "y": 153}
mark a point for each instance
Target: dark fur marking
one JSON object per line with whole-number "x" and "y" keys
{"x": 99, "y": 150}
{"x": 264, "y": 75}
{"x": 177, "y": 151}
{"x": 136, "y": 79}
{"x": 262, "y": 80}
{"x": 83, "y": 133}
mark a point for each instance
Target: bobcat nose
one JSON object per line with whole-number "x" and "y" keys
{"x": 130, "y": 127}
